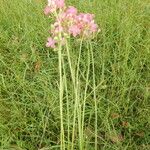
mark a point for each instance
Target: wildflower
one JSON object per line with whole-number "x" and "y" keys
{"x": 93, "y": 27}
{"x": 47, "y": 10}
{"x": 71, "y": 11}
{"x": 51, "y": 2}
{"x": 69, "y": 22}
{"x": 86, "y": 17}
{"x": 74, "y": 30}
{"x": 50, "y": 43}
{"x": 56, "y": 3}
{"x": 59, "y": 3}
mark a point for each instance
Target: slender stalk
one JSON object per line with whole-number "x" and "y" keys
{"x": 61, "y": 90}
{"x": 70, "y": 65}
{"x": 61, "y": 96}
{"x": 74, "y": 87}
{"x": 81, "y": 141}
{"x": 85, "y": 91}
{"x": 94, "y": 92}
{"x": 68, "y": 112}
{"x": 75, "y": 79}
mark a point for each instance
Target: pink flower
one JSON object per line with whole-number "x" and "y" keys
{"x": 56, "y": 28}
{"x": 47, "y": 10}
{"x": 51, "y": 2}
{"x": 71, "y": 10}
{"x": 88, "y": 17}
{"x": 50, "y": 43}
{"x": 86, "y": 23}
{"x": 59, "y": 3}
{"x": 93, "y": 27}
{"x": 74, "y": 30}
{"x": 56, "y": 3}
{"x": 68, "y": 22}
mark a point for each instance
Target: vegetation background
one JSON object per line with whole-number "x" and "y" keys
{"x": 29, "y": 97}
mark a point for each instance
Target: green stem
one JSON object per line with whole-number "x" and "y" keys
{"x": 75, "y": 80}
{"x": 78, "y": 98}
{"x": 74, "y": 86}
{"x": 61, "y": 97}
{"x": 94, "y": 91}
{"x": 85, "y": 91}
{"x": 68, "y": 112}
{"x": 70, "y": 65}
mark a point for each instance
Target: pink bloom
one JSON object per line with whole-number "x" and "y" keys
{"x": 80, "y": 16}
{"x": 71, "y": 10}
{"x": 51, "y": 2}
{"x": 93, "y": 27}
{"x": 47, "y": 10}
{"x": 56, "y": 3}
{"x": 68, "y": 22}
{"x": 85, "y": 17}
{"x": 50, "y": 43}
{"x": 88, "y": 17}
{"x": 80, "y": 25}
{"x": 74, "y": 30}
{"x": 59, "y": 3}
{"x": 57, "y": 28}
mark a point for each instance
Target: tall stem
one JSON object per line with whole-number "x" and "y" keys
{"x": 68, "y": 112}
{"x": 74, "y": 86}
{"x": 70, "y": 65}
{"x": 78, "y": 98}
{"x": 75, "y": 80}
{"x": 85, "y": 91}
{"x": 94, "y": 91}
{"x": 61, "y": 96}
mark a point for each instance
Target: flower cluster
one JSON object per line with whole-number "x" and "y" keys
{"x": 68, "y": 22}
{"x": 53, "y": 5}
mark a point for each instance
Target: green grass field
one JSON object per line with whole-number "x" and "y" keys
{"x": 29, "y": 79}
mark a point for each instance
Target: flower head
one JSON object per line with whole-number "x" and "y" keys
{"x": 47, "y": 10}
{"x": 69, "y": 22}
{"x": 71, "y": 11}
{"x": 56, "y": 3}
{"x": 59, "y": 3}
{"x": 50, "y": 42}
{"x": 74, "y": 30}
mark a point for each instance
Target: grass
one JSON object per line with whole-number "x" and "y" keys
{"x": 118, "y": 77}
